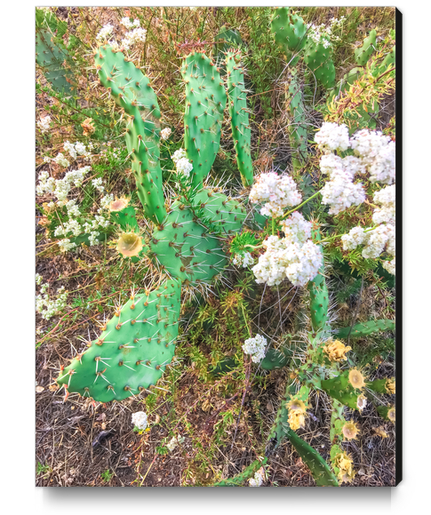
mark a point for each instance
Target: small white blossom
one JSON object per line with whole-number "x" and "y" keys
{"x": 178, "y": 154}
{"x": 378, "y": 239}
{"x": 355, "y": 237}
{"x": 243, "y": 260}
{"x": 277, "y": 191}
{"x": 255, "y": 347}
{"x": 66, "y": 245}
{"x": 61, "y": 160}
{"x": 98, "y": 184}
{"x": 341, "y": 193}
{"x": 43, "y": 123}
{"x": 165, "y": 133}
{"x": 389, "y": 266}
{"x": 256, "y": 480}
{"x": 386, "y": 213}
{"x": 130, "y": 24}
{"x": 139, "y": 419}
{"x": 47, "y": 306}
{"x": 296, "y": 228}
{"x": 38, "y": 278}
{"x": 105, "y": 32}
{"x": 184, "y": 166}
{"x": 135, "y": 36}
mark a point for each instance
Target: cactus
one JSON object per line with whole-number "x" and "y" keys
{"x": 239, "y": 116}
{"x": 186, "y": 239}
{"x": 205, "y": 102}
{"x": 297, "y": 127}
{"x": 318, "y": 296}
{"x": 132, "y": 91}
{"x": 289, "y": 31}
{"x": 363, "y": 53}
{"x": 319, "y": 61}
{"x": 51, "y": 53}
{"x": 276, "y": 358}
{"x": 133, "y": 350}
{"x": 341, "y": 389}
{"x": 365, "y": 328}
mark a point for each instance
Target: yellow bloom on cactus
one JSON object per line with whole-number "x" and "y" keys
{"x": 297, "y": 411}
{"x": 345, "y": 465}
{"x": 390, "y": 385}
{"x": 129, "y": 244}
{"x": 118, "y": 204}
{"x": 380, "y": 431}
{"x": 336, "y": 350}
{"x": 356, "y": 378}
{"x": 350, "y": 430}
{"x": 391, "y": 414}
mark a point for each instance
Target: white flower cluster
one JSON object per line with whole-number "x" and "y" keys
{"x": 98, "y": 184}
{"x": 46, "y": 306}
{"x": 376, "y": 241}
{"x": 61, "y": 187}
{"x": 322, "y": 33}
{"x": 283, "y": 258}
{"x": 139, "y": 419}
{"x": 184, "y": 167}
{"x": 77, "y": 149}
{"x": 377, "y": 153}
{"x": 331, "y": 137}
{"x": 43, "y": 123}
{"x": 256, "y": 480}
{"x": 243, "y": 260}
{"x": 130, "y": 24}
{"x": 105, "y": 32}
{"x": 165, "y": 133}
{"x": 386, "y": 213}
{"x": 277, "y": 191}
{"x": 296, "y": 228}
{"x": 135, "y": 36}
{"x": 255, "y": 347}
{"x": 60, "y": 160}
{"x": 178, "y": 154}
{"x": 66, "y": 245}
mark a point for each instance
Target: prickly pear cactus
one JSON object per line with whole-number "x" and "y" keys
{"x": 185, "y": 240}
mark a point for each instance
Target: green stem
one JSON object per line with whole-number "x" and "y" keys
{"x": 245, "y": 320}
{"x": 300, "y": 205}
{"x": 273, "y": 226}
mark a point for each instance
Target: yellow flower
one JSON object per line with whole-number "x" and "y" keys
{"x": 345, "y": 465}
{"x": 129, "y": 244}
{"x": 297, "y": 411}
{"x": 391, "y": 414}
{"x": 118, "y": 204}
{"x": 336, "y": 350}
{"x": 390, "y": 385}
{"x": 362, "y": 402}
{"x": 350, "y": 430}
{"x": 356, "y": 378}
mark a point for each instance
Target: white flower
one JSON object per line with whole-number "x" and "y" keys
{"x": 69, "y": 147}
{"x": 135, "y": 36}
{"x": 38, "y": 278}
{"x": 256, "y": 480}
{"x": 278, "y": 191}
{"x": 61, "y": 160}
{"x": 296, "y": 228}
{"x": 105, "y": 201}
{"x": 389, "y": 266}
{"x": 130, "y": 24}
{"x": 385, "y": 197}
{"x": 178, "y": 154}
{"x": 92, "y": 238}
{"x": 98, "y": 184}
{"x": 341, "y": 193}
{"x": 332, "y": 136}
{"x": 139, "y": 419}
{"x": 378, "y": 239}
{"x": 104, "y": 32}
{"x": 355, "y": 237}
{"x": 66, "y": 245}
{"x": 255, "y": 347}
{"x": 243, "y": 260}
{"x": 184, "y": 166}
{"x": 43, "y": 123}
{"x": 284, "y": 259}
{"x": 165, "y": 133}
{"x": 377, "y": 153}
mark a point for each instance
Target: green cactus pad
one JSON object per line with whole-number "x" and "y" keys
{"x": 238, "y": 111}
{"x": 297, "y": 123}
{"x": 319, "y": 296}
{"x": 240, "y": 479}
{"x": 289, "y": 32}
{"x": 186, "y": 248}
{"x": 205, "y": 103}
{"x": 223, "y": 214}
{"x": 50, "y": 56}
{"x": 365, "y": 328}
{"x": 319, "y": 60}
{"x": 125, "y": 218}
{"x": 363, "y": 53}
{"x": 341, "y": 389}
{"x": 132, "y": 91}
{"x": 133, "y": 350}
{"x": 276, "y": 358}
{"x": 337, "y": 422}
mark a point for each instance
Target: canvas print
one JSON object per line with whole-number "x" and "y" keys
{"x": 215, "y": 246}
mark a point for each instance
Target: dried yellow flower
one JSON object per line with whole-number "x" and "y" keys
{"x": 118, "y": 204}
{"x": 350, "y": 430}
{"x": 336, "y": 350}
{"x": 297, "y": 411}
{"x": 380, "y": 432}
{"x": 345, "y": 465}
{"x": 88, "y": 126}
{"x": 356, "y": 378}
{"x": 390, "y": 385}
